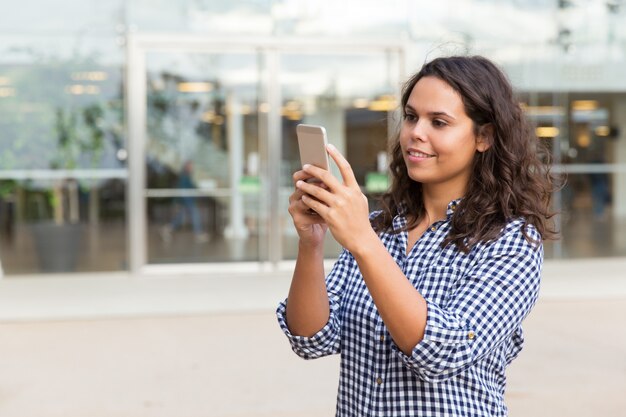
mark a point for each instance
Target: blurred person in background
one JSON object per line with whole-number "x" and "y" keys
{"x": 186, "y": 206}
{"x": 426, "y": 301}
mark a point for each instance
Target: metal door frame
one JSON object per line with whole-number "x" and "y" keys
{"x": 138, "y": 45}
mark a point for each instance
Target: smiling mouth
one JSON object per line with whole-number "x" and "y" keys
{"x": 418, "y": 154}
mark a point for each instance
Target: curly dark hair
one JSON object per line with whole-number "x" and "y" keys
{"x": 508, "y": 180}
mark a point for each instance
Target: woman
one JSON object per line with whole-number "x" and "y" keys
{"x": 426, "y": 301}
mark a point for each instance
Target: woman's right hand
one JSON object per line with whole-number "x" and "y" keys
{"x": 311, "y": 227}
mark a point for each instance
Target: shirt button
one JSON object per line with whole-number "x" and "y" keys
{"x": 382, "y": 337}
{"x": 471, "y": 335}
{"x": 379, "y": 381}
{"x": 434, "y": 228}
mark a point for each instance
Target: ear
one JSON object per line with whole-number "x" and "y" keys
{"x": 485, "y": 136}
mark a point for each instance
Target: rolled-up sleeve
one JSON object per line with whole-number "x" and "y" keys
{"x": 486, "y": 306}
{"x": 327, "y": 340}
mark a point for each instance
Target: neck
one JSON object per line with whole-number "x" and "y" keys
{"x": 436, "y": 200}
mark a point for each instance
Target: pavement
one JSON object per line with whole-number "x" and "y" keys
{"x": 117, "y": 345}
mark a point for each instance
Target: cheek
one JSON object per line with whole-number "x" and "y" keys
{"x": 459, "y": 153}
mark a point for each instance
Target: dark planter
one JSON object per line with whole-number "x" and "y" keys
{"x": 57, "y": 246}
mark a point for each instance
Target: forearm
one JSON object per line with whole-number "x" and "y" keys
{"x": 400, "y": 305}
{"x": 308, "y": 307}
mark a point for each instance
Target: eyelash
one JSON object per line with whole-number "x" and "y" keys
{"x": 438, "y": 123}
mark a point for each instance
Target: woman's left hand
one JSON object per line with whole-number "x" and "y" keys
{"x": 342, "y": 205}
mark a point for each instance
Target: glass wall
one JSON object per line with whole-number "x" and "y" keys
{"x": 64, "y": 142}
{"x": 583, "y": 132}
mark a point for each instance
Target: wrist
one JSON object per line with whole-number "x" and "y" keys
{"x": 310, "y": 247}
{"x": 366, "y": 246}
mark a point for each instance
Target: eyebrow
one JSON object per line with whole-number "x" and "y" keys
{"x": 431, "y": 113}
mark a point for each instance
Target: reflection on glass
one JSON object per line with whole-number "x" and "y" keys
{"x": 354, "y": 109}
{"x": 203, "y": 169}
{"x": 62, "y": 162}
{"x": 590, "y": 224}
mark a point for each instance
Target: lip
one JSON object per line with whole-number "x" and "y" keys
{"x": 417, "y": 155}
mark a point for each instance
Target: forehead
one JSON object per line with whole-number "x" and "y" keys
{"x": 431, "y": 94}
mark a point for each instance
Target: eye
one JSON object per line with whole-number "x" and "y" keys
{"x": 439, "y": 123}
{"x": 409, "y": 117}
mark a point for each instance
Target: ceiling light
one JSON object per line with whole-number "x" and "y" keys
{"x": 384, "y": 103}
{"x": 360, "y": 103}
{"x": 90, "y": 76}
{"x": 7, "y": 92}
{"x": 544, "y": 110}
{"x": 195, "y": 87}
{"x": 547, "y": 132}
{"x": 584, "y": 105}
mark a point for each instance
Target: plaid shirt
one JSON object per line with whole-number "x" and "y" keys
{"x": 476, "y": 303}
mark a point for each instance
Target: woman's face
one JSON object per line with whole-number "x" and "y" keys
{"x": 437, "y": 137}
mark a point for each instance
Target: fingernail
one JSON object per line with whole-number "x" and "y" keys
{"x": 306, "y": 166}
{"x": 299, "y": 183}
{"x": 331, "y": 147}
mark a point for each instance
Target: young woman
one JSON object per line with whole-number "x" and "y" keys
{"x": 426, "y": 301}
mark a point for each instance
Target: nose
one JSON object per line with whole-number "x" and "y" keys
{"x": 418, "y": 130}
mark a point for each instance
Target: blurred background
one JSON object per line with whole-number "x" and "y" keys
{"x": 103, "y": 103}
{"x": 153, "y": 138}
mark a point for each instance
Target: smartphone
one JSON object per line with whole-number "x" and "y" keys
{"x": 312, "y": 142}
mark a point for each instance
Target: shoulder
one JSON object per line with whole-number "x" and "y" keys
{"x": 517, "y": 255}
{"x": 518, "y": 237}
{"x": 375, "y": 214}
{"x": 519, "y": 229}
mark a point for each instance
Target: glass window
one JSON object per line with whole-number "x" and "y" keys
{"x": 84, "y": 18}
{"x": 588, "y": 222}
{"x": 204, "y": 196}
{"x": 62, "y": 156}
{"x": 582, "y": 131}
{"x": 238, "y": 17}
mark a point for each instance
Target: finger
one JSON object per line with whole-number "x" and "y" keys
{"x": 296, "y": 195}
{"x": 316, "y": 191}
{"x": 303, "y": 214}
{"x": 344, "y": 166}
{"x": 323, "y": 175}
{"x": 301, "y": 176}
{"x": 320, "y": 208}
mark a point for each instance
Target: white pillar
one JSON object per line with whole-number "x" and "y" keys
{"x": 236, "y": 228}
{"x": 619, "y": 179}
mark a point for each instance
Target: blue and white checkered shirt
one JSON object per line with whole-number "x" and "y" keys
{"x": 476, "y": 303}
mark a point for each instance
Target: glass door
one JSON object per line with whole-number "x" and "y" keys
{"x": 202, "y": 158}
{"x": 212, "y": 143}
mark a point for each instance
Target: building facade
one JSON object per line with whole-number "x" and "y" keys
{"x": 160, "y": 135}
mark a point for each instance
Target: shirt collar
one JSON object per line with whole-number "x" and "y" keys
{"x": 452, "y": 206}
{"x": 399, "y": 221}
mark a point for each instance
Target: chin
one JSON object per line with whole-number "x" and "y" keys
{"x": 424, "y": 179}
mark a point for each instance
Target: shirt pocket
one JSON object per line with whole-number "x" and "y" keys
{"x": 438, "y": 283}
